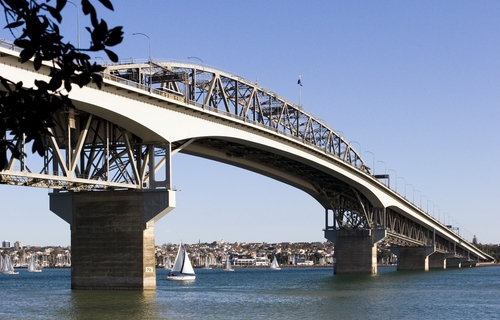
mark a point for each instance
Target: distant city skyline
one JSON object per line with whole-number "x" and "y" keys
{"x": 412, "y": 85}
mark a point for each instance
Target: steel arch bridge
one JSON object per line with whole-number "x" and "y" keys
{"x": 122, "y": 137}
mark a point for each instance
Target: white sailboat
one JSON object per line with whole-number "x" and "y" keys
{"x": 7, "y": 267}
{"x": 275, "y": 265}
{"x": 207, "y": 265}
{"x": 229, "y": 266}
{"x": 32, "y": 265}
{"x": 168, "y": 264}
{"x": 182, "y": 270}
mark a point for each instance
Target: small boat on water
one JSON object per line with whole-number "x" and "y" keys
{"x": 182, "y": 270}
{"x": 7, "y": 267}
{"x": 228, "y": 266}
{"x": 275, "y": 265}
{"x": 207, "y": 265}
{"x": 168, "y": 264}
{"x": 33, "y": 266}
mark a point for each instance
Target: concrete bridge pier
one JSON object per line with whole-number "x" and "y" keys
{"x": 413, "y": 258}
{"x": 355, "y": 251}
{"x": 112, "y": 236}
{"x": 437, "y": 261}
{"x": 457, "y": 262}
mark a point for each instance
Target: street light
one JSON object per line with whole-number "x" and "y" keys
{"x": 150, "y": 58}
{"x": 77, "y": 22}
{"x": 413, "y": 189}
{"x": 420, "y": 204}
{"x": 149, "y": 39}
{"x": 396, "y": 174}
{"x": 422, "y": 196}
{"x": 405, "y": 184}
{"x": 373, "y": 158}
{"x": 196, "y": 59}
{"x": 385, "y": 167}
{"x": 428, "y": 207}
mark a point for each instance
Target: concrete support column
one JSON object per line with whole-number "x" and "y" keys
{"x": 454, "y": 262}
{"x": 466, "y": 264}
{"x": 413, "y": 258}
{"x": 112, "y": 236}
{"x": 437, "y": 261}
{"x": 355, "y": 251}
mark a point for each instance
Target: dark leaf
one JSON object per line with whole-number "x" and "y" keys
{"x": 14, "y": 25}
{"x": 97, "y": 79}
{"x": 38, "y": 145}
{"x": 22, "y": 43}
{"x": 37, "y": 62}
{"x": 67, "y": 85}
{"x": 115, "y": 36}
{"x": 27, "y": 53}
{"x": 86, "y": 7}
{"x": 112, "y": 56}
{"x": 61, "y": 4}
{"x": 5, "y": 84}
{"x": 42, "y": 85}
{"x": 55, "y": 13}
{"x": 107, "y": 4}
{"x": 55, "y": 83}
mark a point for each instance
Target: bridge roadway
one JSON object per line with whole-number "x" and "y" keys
{"x": 108, "y": 162}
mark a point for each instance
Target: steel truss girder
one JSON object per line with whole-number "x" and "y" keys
{"x": 85, "y": 152}
{"x": 221, "y": 92}
{"x": 351, "y": 210}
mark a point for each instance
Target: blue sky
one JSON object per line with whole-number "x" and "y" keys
{"x": 413, "y": 84}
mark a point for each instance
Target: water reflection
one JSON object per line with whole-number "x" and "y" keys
{"x": 112, "y": 304}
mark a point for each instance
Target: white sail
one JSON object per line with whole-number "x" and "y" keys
{"x": 275, "y": 265}
{"x": 229, "y": 266}
{"x": 168, "y": 264}
{"x": 7, "y": 267}
{"x": 207, "y": 264}
{"x": 187, "y": 268}
{"x": 182, "y": 270}
{"x": 32, "y": 266}
{"x": 179, "y": 259}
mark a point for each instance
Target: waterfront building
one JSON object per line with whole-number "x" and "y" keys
{"x": 18, "y": 245}
{"x": 6, "y": 244}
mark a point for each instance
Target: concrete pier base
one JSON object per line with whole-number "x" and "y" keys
{"x": 413, "y": 258}
{"x": 437, "y": 261}
{"x": 355, "y": 251}
{"x": 112, "y": 236}
{"x": 454, "y": 262}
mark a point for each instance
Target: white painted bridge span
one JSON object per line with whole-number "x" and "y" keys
{"x": 123, "y": 135}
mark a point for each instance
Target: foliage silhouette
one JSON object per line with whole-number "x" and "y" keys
{"x": 27, "y": 111}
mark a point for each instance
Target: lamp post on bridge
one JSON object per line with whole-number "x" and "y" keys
{"x": 422, "y": 196}
{"x": 150, "y": 59}
{"x": 77, "y": 22}
{"x": 428, "y": 207}
{"x": 413, "y": 191}
{"x": 385, "y": 168}
{"x": 405, "y": 184}
{"x": 373, "y": 161}
{"x": 433, "y": 207}
{"x": 420, "y": 204}
{"x": 396, "y": 174}
{"x": 197, "y": 59}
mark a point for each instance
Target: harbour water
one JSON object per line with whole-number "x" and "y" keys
{"x": 293, "y": 293}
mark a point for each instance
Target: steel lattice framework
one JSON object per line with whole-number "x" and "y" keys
{"x": 222, "y": 92}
